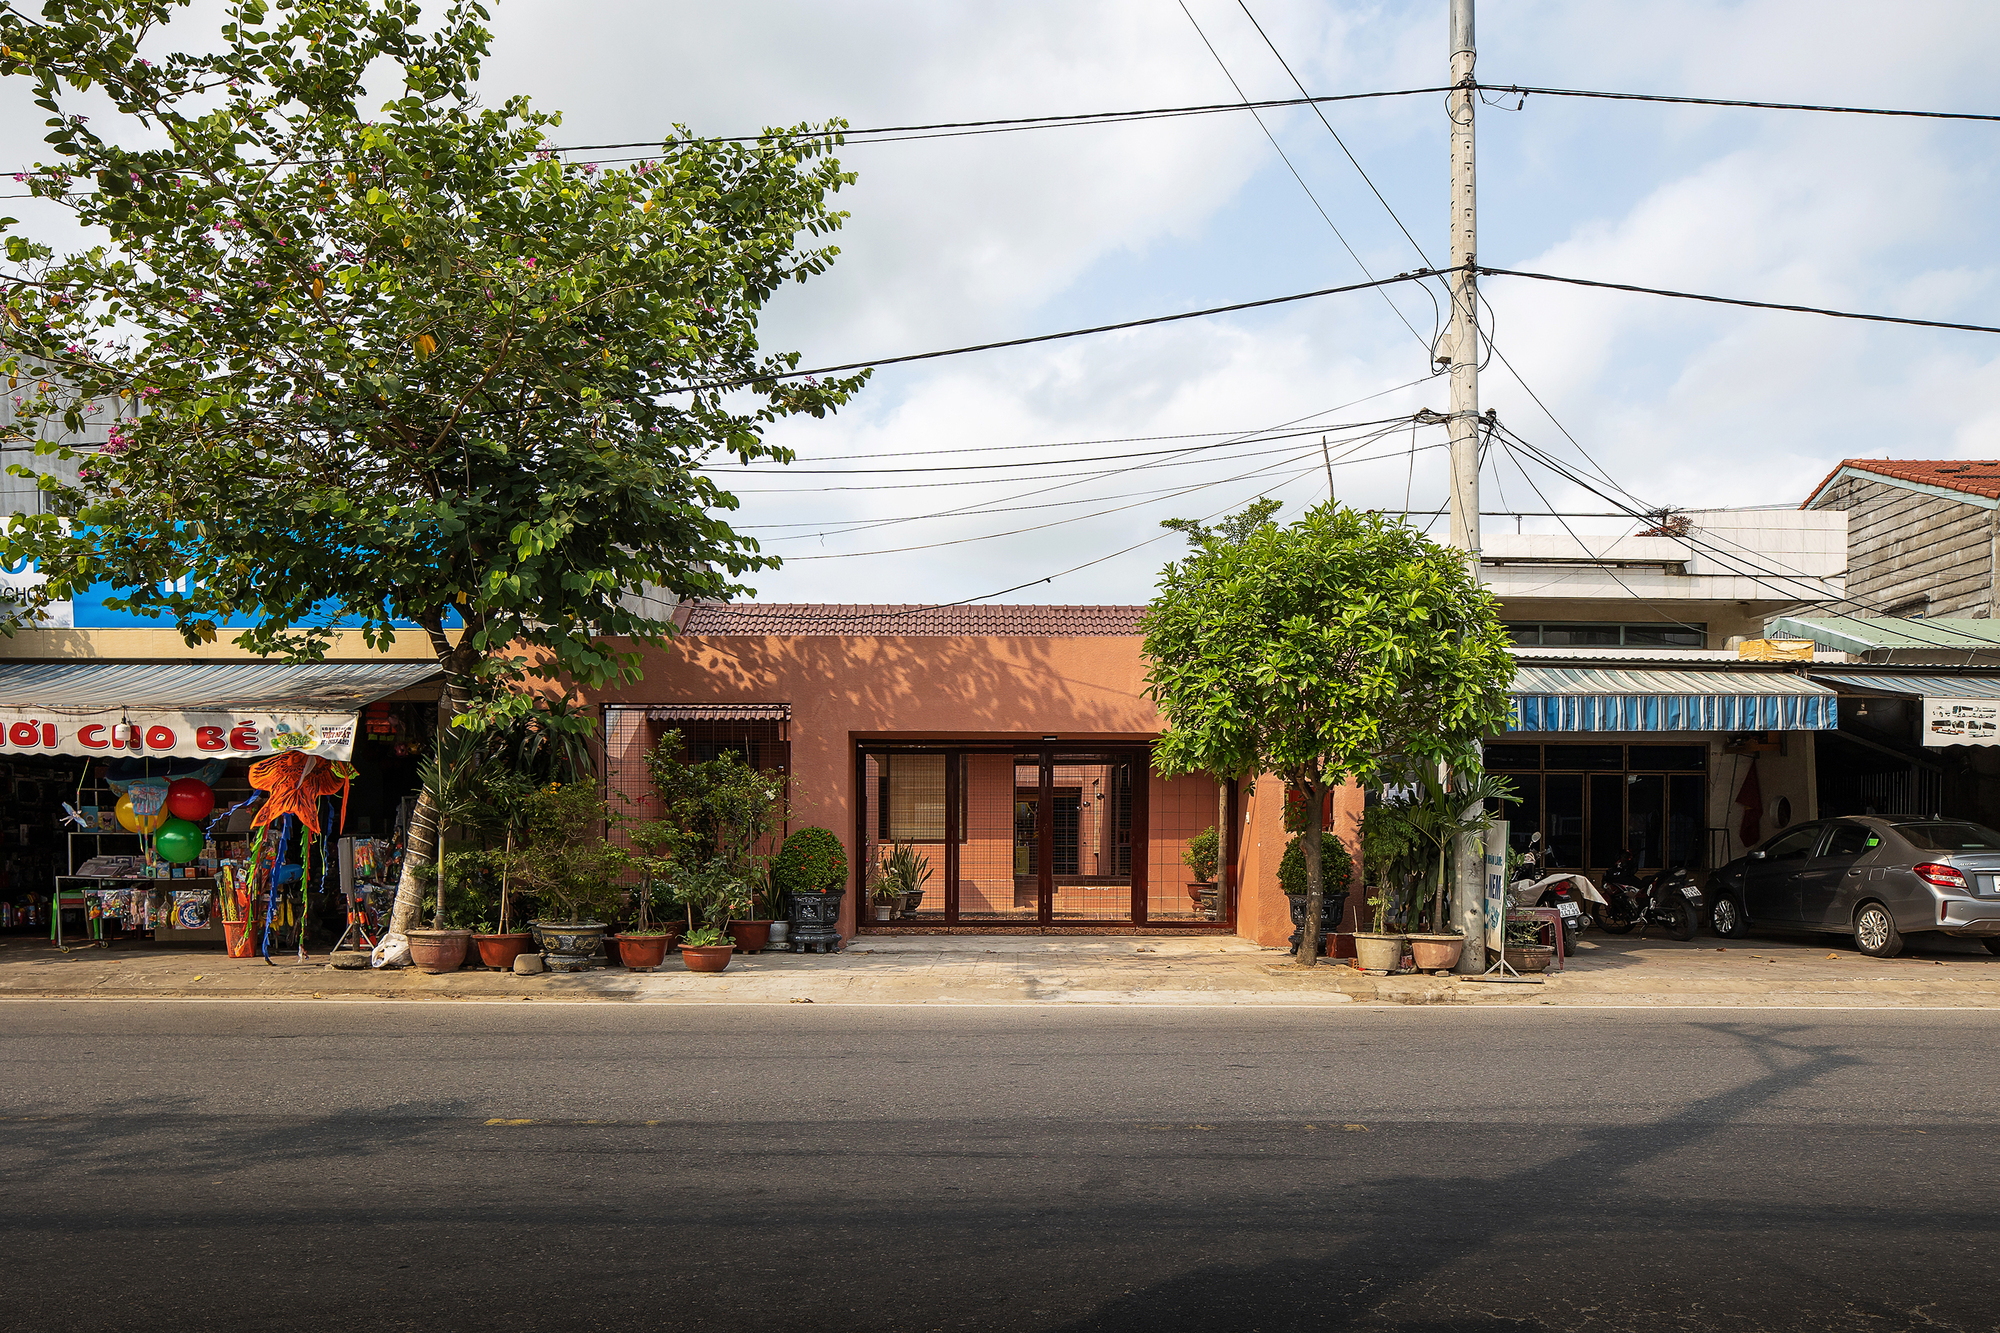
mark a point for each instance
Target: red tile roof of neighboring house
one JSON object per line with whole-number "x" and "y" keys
{"x": 741, "y": 619}
{"x": 1974, "y": 476}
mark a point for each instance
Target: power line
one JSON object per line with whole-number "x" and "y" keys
{"x": 1723, "y": 101}
{"x": 1251, "y": 438}
{"x": 1286, "y": 158}
{"x": 1739, "y": 301}
{"x": 1416, "y": 275}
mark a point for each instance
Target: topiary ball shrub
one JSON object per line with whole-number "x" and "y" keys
{"x": 811, "y": 861}
{"x": 1336, "y": 865}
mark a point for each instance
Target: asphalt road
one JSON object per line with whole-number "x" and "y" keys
{"x": 505, "y": 1166}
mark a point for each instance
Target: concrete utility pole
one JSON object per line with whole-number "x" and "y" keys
{"x": 1462, "y": 346}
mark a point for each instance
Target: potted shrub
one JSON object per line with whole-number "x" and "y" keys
{"x": 811, "y": 874}
{"x": 1525, "y": 952}
{"x": 643, "y": 947}
{"x": 1336, "y": 869}
{"x": 899, "y": 877}
{"x": 710, "y": 894}
{"x": 441, "y": 946}
{"x": 1438, "y": 814}
{"x": 753, "y": 932}
{"x": 564, "y": 860}
{"x": 1202, "y": 857}
{"x": 1388, "y": 844}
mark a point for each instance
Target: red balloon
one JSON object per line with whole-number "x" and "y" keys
{"x": 190, "y": 799}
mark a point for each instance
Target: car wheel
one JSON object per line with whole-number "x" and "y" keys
{"x": 1992, "y": 943}
{"x": 1726, "y": 918}
{"x": 1875, "y": 932}
{"x": 1681, "y": 919}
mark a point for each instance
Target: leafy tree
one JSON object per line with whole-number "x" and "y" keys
{"x": 415, "y": 370}
{"x": 1320, "y": 652}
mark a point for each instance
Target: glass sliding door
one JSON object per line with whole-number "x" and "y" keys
{"x": 1090, "y": 837}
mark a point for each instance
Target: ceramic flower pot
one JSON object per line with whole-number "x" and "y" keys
{"x": 1436, "y": 953}
{"x": 710, "y": 958}
{"x": 570, "y": 946}
{"x": 750, "y": 936}
{"x": 1378, "y": 953}
{"x": 816, "y": 921}
{"x": 500, "y": 951}
{"x": 885, "y": 912}
{"x": 643, "y": 953}
{"x": 437, "y": 951}
{"x": 1529, "y": 958}
{"x": 780, "y": 931}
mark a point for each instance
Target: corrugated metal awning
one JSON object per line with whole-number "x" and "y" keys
{"x": 720, "y": 712}
{"x": 222, "y": 687}
{"x": 1945, "y": 687}
{"x": 1607, "y": 699}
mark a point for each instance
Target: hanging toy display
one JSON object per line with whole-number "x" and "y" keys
{"x": 190, "y": 799}
{"x": 298, "y": 784}
{"x": 141, "y": 809}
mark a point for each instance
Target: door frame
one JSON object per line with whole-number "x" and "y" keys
{"x": 1136, "y": 753}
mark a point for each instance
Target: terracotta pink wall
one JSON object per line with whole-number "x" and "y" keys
{"x": 1262, "y": 913}
{"x": 843, "y": 689}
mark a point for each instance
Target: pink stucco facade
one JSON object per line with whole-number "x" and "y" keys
{"x": 847, "y": 688}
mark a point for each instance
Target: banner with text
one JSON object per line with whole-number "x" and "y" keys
{"x": 121, "y": 735}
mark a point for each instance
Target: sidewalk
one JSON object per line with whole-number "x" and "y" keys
{"x": 1210, "y": 971}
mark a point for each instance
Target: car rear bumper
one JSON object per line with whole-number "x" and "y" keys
{"x": 1965, "y": 916}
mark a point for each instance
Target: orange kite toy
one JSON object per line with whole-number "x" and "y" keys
{"x": 296, "y": 781}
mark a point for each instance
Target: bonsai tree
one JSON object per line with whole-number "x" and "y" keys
{"x": 1317, "y": 650}
{"x": 1203, "y": 854}
{"x": 564, "y": 859}
{"x": 811, "y": 861}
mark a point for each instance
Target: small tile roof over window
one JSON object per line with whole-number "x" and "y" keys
{"x": 742, "y": 619}
{"x": 1973, "y": 476}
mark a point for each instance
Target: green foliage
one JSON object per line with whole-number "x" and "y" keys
{"x": 561, "y": 856}
{"x": 706, "y": 937}
{"x": 722, "y": 807}
{"x": 1336, "y": 864}
{"x": 1437, "y": 813}
{"x": 712, "y": 892}
{"x": 1390, "y": 857}
{"x": 1203, "y": 855}
{"x": 1318, "y": 651}
{"x": 397, "y": 366}
{"x": 811, "y": 861}
{"x": 1523, "y": 930}
{"x": 902, "y": 871}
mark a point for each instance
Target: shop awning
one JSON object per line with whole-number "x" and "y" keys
{"x": 1573, "y": 698}
{"x": 1958, "y": 710}
{"x": 720, "y": 712}
{"x": 197, "y": 709}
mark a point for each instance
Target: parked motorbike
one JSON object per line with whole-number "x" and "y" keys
{"x": 1670, "y": 898}
{"x": 1568, "y": 893}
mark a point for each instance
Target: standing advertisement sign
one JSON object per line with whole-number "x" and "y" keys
{"x": 1496, "y": 890}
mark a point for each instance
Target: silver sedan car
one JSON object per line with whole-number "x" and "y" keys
{"x": 1878, "y": 878}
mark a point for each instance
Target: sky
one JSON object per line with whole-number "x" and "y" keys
{"x": 965, "y": 240}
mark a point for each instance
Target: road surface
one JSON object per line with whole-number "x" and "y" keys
{"x": 509, "y": 1166}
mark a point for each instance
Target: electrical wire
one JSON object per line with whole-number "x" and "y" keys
{"x": 1416, "y": 275}
{"x": 1738, "y": 301}
{"x": 1511, "y": 88}
{"x": 1285, "y": 157}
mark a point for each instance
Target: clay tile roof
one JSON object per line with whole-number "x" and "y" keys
{"x": 745, "y": 619}
{"x": 1974, "y": 476}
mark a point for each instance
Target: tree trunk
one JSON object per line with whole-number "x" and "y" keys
{"x": 421, "y": 848}
{"x": 1309, "y": 844}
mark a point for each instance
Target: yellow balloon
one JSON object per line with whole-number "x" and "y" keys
{"x": 134, "y": 822}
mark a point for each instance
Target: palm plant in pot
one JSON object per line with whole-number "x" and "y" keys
{"x": 1202, "y": 857}
{"x": 1439, "y": 812}
{"x": 811, "y": 874}
{"x": 899, "y": 877}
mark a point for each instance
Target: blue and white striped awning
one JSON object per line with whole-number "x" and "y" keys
{"x": 1613, "y": 699}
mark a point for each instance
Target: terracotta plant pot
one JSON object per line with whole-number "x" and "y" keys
{"x": 710, "y": 958}
{"x": 1378, "y": 953}
{"x": 1528, "y": 958}
{"x": 1436, "y": 953}
{"x": 436, "y": 951}
{"x": 643, "y": 953}
{"x": 750, "y": 936}
{"x": 500, "y": 951}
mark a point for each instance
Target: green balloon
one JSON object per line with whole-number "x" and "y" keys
{"x": 178, "y": 841}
